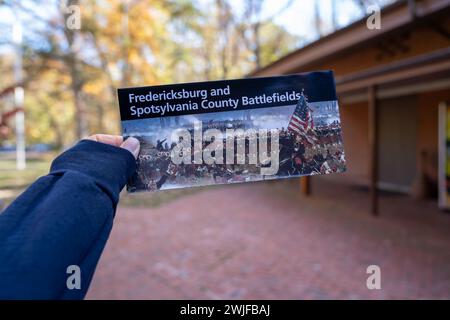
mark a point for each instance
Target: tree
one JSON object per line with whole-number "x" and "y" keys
{"x": 252, "y": 22}
{"x": 72, "y": 74}
{"x": 76, "y": 74}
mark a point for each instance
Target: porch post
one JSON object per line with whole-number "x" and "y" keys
{"x": 305, "y": 185}
{"x": 373, "y": 150}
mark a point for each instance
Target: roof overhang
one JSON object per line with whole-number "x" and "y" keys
{"x": 399, "y": 15}
{"x": 422, "y": 73}
{"x": 421, "y": 67}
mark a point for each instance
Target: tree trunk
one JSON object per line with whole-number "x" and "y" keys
{"x": 257, "y": 44}
{"x": 77, "y": 81}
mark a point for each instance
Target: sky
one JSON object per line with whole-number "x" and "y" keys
{"x": 7, "y": 19}
{"x": 297, "y": 19}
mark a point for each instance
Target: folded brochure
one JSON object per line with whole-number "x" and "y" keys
{"x": 230, "y": 131}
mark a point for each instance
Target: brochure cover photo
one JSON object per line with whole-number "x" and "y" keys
{"x": 231, "y": 131}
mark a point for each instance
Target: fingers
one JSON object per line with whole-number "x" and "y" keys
{"x": 132, "y": 145}
{"x": 107, "y": 138}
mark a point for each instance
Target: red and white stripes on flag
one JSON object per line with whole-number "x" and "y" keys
{"x": 301, "y": 120}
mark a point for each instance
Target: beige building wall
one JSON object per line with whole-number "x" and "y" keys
{"x": 354, "y": 119}
{"x": 421, "y": 40}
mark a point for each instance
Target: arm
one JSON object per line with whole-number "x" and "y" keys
{"x": 62, "y": 219}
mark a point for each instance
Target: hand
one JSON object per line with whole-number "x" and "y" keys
{"x": 131, "y": 144}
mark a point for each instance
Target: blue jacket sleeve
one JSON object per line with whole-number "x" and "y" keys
{"x": 62, "y": 219}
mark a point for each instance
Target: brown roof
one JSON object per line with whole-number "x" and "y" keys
{"x": 400, "y": 14}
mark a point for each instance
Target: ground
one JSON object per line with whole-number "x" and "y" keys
{"x": 265, "y": 241}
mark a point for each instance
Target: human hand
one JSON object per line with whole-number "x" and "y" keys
{"x": 131, "y": 144}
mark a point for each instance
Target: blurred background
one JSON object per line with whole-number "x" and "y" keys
{"x": 62, "y": 61}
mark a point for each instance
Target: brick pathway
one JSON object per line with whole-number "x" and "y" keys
{"x": 264, "y": 241}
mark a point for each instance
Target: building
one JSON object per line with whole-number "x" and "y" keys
{"x": 390, "y": 82}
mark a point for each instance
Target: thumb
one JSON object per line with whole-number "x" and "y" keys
{"x": 132, "y": 145}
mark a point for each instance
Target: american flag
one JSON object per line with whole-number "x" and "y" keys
{"x": 301, "y": 121}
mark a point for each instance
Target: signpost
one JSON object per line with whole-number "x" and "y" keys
{"x": 19, "y": 95}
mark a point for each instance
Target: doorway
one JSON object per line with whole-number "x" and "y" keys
{"x": 397, "y": 143}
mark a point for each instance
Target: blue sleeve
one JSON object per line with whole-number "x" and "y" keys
{"x": 62, "y": 219}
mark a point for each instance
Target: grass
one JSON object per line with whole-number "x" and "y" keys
{"x": 13, "y": 182}
{"x": 154, "y": 199}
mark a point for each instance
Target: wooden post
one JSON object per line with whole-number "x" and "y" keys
{"x": 305, "y": 185}
{"x": 373, "y": 150}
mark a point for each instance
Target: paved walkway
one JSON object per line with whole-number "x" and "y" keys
{"x": 264, "y": 241}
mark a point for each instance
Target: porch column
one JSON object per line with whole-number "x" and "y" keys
{"x": 305, "y": 185}
{"x": 373, "y": 150}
